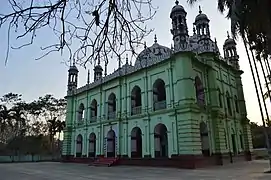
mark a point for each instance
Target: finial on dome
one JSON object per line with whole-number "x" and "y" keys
{"x": 177, "y": 2}
{"x": 215, "y": 41}
{"x": 228, "y": 35}
{"x": 155, "y": 38}
{"x": 200, "y": 11}
{"x": 145, "y": 45}
{"x": 127, "y": 59}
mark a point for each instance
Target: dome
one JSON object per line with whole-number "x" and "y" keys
{"x": 229, "y": 41}
{"x": 98, "y": 67}
{"x": 73, "y": 68}
{"x": 201, "y": 16}
{"x": 154, "y": 51}
{"x": 177, "y": 8}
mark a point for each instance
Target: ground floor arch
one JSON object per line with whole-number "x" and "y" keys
{"x": 160, "y": 141}
{"x": 111, "y": 143}
{"x": 136, "y": 142}
{"x": 204, "y": 137}
{"x": 79, "y": 145}
{"x": 92, "y": 145}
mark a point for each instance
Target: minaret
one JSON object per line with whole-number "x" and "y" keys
{"x": 98, "y": 71}
{"x": 72, "y": 78}
{"x": 230, "y": 52}
{"x": 202, "y": 25}
{"x": 179, "y": 27}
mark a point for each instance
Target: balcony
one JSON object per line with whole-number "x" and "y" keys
{"x": 136, "y": 110}
{"x": 159, "y": 105}
{"x": 111, "y": 115}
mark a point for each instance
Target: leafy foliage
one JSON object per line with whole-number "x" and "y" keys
{"x": 30, "y": 127}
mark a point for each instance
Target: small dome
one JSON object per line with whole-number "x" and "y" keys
{"x": 98, "y": 67}
{"x": 229, "y": 41}
{"x": 201, "y": 16}
{"x": 73, "y": 68}
{"x": 153, "y": 51}
{"x": 177, "y": 8}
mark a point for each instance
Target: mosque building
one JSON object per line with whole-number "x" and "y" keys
{"x": 182, "y": 106}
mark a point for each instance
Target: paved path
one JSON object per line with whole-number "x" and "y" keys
{"x": 60, "y": 171}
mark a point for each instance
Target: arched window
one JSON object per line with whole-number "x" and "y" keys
{"x": 236, "y": 104}
{"x": 112, "y": 106}
{"x": 136, "y": 101}
{"x": 93, "y": 110}
{"x": 199, "y": 91}
{"x": 220, "y": 98}
{"x": 229, "y": 103}
{"x": 81, "y": 113}
{"x": 159, "y": 95}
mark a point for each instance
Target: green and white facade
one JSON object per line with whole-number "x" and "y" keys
{"x": 186, "y": 101}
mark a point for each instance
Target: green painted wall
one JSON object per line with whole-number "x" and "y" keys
{"x": 182, "y": 117}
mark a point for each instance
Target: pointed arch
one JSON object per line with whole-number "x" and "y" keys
{"x": 81, "y": 113}
{"x": 228, "y": 98}
{"x": 160, "y": 141}
{"x": 159, "y": 95}
{"x": 136, "y": 142}
{"x": 112, "y": 106}
{"x": 136, "y": 102}
{"x": 79, "y": 145}
{"x": 200, "y": 96}
{"x": 204, "y": 136}
{"x": 92, "y": 145}
{"x": 93, "y": 110}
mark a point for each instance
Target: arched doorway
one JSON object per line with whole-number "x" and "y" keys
{"x": 92, "y": 145}
{"x": 233, "y": 139}
{"x": 79, "y": 145}
{"x": 205, "y": 147}
{"x": 160, "y": 141}
{"x": 159, "y": 95}
{"x": 136, "y": 142}
{"x": 111, "y": 143}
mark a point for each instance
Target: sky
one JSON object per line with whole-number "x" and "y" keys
{"x": 34, "y": 78}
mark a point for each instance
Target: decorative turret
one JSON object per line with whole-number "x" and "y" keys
{"x": 72, "y": 78}
{"x": 202, "y": 25}
{"x": 98, "y": 71}
{"x": 230, "y": 52}
{"x": 179, "y": 27}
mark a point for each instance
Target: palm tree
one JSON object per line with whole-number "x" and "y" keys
{"x": 60, "y": 127}
{"x": 52, "y": 124}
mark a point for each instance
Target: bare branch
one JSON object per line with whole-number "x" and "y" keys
{"x": 85, "y": 29}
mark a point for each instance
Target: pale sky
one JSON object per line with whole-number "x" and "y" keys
{"x": 31, "y": 78}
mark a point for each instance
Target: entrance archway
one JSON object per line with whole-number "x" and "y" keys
{"x": 160, "y": 141}
{"x": 111, "y": 143}
{"x": 79, "y": 145}
{"x": 205, "y": 147}
{"x": 92, "y": 145}
{"x": 136, "y": 142}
